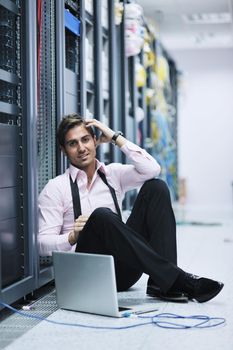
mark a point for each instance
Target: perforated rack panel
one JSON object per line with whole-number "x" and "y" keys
{"x": 46, "y": 118}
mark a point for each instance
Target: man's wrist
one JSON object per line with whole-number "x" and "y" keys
{"x": 72, "y": 238}
{"x": 115, "y": 136}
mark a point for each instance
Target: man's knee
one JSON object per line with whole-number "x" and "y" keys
{"x": 156, "y": 186}
{"x": 103, "y": 216}
{"x": 100, "y": 212}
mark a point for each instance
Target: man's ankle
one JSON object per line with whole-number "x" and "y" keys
{"x": 179, "y": 283}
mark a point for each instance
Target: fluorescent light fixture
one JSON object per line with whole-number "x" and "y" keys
{"x": 208, "y": 18}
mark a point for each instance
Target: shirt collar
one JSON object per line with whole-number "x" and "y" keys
{"x": 75, "y": 172}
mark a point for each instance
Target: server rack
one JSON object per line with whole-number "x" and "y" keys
{"x": 97, "y": 82}
{"x": 87, "y": 59}
{"x": 72, "y": 56}
{"x": 174, "y": 126}
{"x": 140, "y": 132}
{"x": 17, "y": 125}
{"x": 61, "y": 55}
{"x": 165, "y": 147}
{"x": 142, "y": 125}
{"x": 114, "y": 118}
{"x": 122, "y": 92}
{"x": 148, "y": 106}
{"x": 101, "y": 70}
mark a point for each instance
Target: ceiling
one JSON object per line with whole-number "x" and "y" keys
{"x": 192, "y": 24}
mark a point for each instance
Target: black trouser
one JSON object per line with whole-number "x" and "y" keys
{"x": 146, "y": 243}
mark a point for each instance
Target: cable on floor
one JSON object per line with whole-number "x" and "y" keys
{"x": 162, "y": 320}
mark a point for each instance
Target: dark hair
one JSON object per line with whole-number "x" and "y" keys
{"x": 68, "y": 122}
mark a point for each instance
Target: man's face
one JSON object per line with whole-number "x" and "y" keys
{"x": 80, "y": 147}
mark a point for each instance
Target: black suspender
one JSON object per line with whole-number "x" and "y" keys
{"x": 76, "y": 198}
{"x": 113, "y": 193}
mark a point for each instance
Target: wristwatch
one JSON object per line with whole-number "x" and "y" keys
{"x": 115, "y": 136}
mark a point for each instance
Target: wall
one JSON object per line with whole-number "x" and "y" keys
{"x": 206, "y": 127}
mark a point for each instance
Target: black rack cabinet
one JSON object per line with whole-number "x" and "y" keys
{"x": 17, "y": 120}
{"x": 11, "y": 242}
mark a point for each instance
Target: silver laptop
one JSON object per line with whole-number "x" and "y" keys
{"x": 86, "y": 283}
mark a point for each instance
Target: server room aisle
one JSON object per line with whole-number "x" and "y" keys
{"x": 205, "y": 248}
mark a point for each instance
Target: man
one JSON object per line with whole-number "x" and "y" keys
{"x": 92, "y": 192}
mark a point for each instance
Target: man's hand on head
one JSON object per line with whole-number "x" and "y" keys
{"x": 106, "y": 133}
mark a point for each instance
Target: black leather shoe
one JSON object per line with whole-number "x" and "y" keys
{"x": 175, "y": 296}
{"x": 200, "y": 289}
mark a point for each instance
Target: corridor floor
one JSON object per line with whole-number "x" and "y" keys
{"x": 205, "y": 248}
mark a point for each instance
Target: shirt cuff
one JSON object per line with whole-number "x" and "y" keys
{"x": 63, "y": 242}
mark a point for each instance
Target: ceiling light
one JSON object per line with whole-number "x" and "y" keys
{"x": 208, "y": 18}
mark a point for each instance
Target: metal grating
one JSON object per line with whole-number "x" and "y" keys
{"x": 12, "y": 326}
{"x": 46, "y": 119}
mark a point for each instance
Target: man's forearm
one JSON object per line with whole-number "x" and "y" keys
{"x": 48, "y": 243}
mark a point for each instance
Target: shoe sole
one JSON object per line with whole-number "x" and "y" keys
{"x": 183, "y": 298}
{"x": 207, "y": 297}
